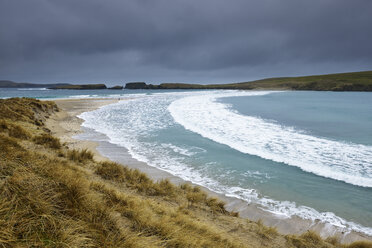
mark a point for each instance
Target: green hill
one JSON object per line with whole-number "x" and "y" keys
{"x": 353, "y": 81}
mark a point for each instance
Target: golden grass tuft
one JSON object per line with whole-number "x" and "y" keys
{"x": 217, "y": 206}
{"x": 195, "y": 196}
{"x": 3, "y": 125}
{"x": 165, "y": 188}
{"x": 80, "y": 155}
{"x": 135, "y": 179}
{"x": 18, "y": 132}
{"x": 333, "y": 240}
{"x": 309, "y": 239}
{"x": 360, "y": 244}
{"x": 266, "y": 232}
{"x": 47, "y": 140}
{"x": 9, "y": 147}
{"x": 111, "y": 171}
{"x": 14, "y": 130}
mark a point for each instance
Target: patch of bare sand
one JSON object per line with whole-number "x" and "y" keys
{"x": 65, "y": 124}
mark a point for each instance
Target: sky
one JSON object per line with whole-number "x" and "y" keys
{"x": 190, "y": 41}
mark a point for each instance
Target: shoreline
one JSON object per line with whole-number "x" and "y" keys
{"x": 67, "y": 126}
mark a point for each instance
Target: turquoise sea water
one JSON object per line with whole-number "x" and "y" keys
{"x": 337, "y": 115}
{"x": 307, "y": 154}
{"x": 43, "y": 93}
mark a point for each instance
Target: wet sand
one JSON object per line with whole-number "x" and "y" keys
{"x": 67, "y": 126}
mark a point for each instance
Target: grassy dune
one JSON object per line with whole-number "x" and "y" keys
{"x": 53, "y": 196}
{"x": 353, "y": 81}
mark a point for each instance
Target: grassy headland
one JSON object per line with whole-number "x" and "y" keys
{"x": 54, "y": 196}
{"x": 353, "y": 81}
{"x": 11, "y": 84}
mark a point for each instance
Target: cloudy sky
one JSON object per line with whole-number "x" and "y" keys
{"x": 199, "y": 41}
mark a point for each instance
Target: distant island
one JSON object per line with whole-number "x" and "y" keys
{"x": 80, "y": 87}
{"x": 11, "y": 84}
{"x": 352, "y": 81}
{"x": 86, "y": 87}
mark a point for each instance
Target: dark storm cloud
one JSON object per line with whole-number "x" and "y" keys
{"x": 208, "y": 40}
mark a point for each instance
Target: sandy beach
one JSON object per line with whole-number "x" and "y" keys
{"x": 67, "y": 126}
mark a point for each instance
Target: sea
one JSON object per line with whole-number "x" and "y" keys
{"x": 293, "y": 153}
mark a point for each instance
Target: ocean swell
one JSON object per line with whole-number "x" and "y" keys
{"x": 127, "y": 123}
{"x": 347, "y": 162}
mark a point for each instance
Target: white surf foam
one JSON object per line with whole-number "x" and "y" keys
{"x": 32, "y": 89}
{"x": 186, "y": 151}
{"x": 128, "y": 123}
{"x": 351, "y": 163}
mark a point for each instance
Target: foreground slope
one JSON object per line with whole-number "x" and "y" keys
{"x": 53, "y": 196}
